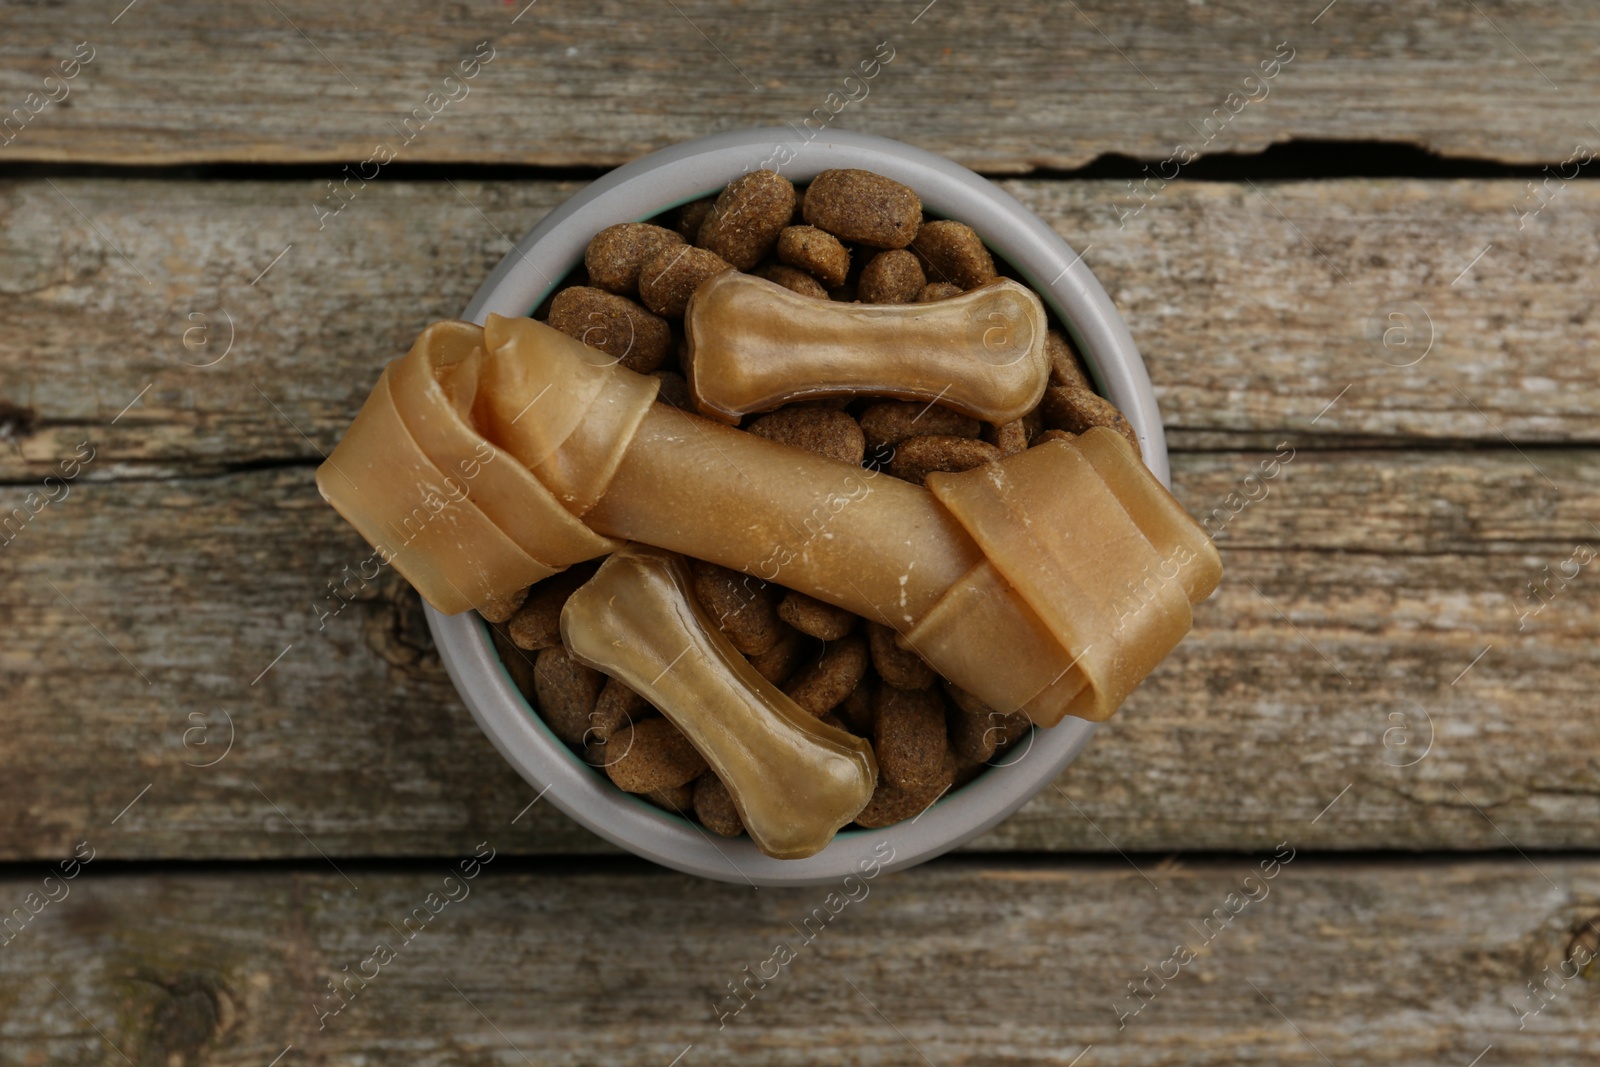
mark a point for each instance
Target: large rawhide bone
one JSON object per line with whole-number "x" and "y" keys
{"x": 754, "y": 345}
{"x": 1050, "y": 582}
{"x": 795, "y": 779}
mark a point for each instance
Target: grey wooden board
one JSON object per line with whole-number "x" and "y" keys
{"x": 1400, "y": 963}
{"x": 1000, "y": 87}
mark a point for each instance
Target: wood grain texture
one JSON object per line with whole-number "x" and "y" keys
{"x": 1248, "y": 331}
{"x": 954, "y": 964}
{"x": 1342, "y": 647}
{"x": 1001, "y": 86}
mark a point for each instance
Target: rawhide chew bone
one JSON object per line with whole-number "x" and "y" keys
{"x": 1050, "y": 581}
{"x": 754, "y": 345}
{"x": 794, "y": 779}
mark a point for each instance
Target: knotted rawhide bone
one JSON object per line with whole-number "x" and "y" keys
{"x": 754, "y": 345}
{"x": 794, "y": 779}
{"x": 1051, "y": 581}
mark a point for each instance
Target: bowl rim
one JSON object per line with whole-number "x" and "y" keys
{"x": 641, "y": 190}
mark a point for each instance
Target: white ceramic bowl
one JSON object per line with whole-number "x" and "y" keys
{"x": 677, "y": 175}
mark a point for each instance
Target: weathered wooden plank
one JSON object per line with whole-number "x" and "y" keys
{"x": 1003, "y": 87}
{"x": 954, "y": 963}
{"x": 1361, "y": 589}
{"x": 1248, "y": 331}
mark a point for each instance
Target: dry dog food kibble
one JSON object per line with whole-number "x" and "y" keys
{"x": 891, "y": 804}
{"x": 669, "y": 278}
{"x": 916, "y": 457}
{"x": 500, "y": 609}
{"x": 742, "y": 607}
{"x": 889, "y": 423}
{"x": 893, "y": 277}
{"x": 691, "y": 217}
{"x": 814, "y": 618}
{"x": 615, "y": 708}
{"x": 827, "y": 433}
{"x": 746, "y": 219}
{"x": 864, "y": 208}
{"x": 816, "y": 252}
{"x": 897, "y": 666}
{"x": 616, "y": 253}
{"x": 1010, "y": 437}
{"x": 537, "y": 623}
{"x": 567, "y": 692}
{"x": 909, "y": 737}
{"x": 952, "y": 252}
{"x": 1075, "y": 410}
{"x": 828, "y": 679}
{"x": 778, "y": 663}
{"x": 614, "y": 324}
{"x": 1065, "y": 366}
{"x": 650, "y": 756}
{"x": 851, "y": 236}
{"x": 713, "y": 805}
{"x": 794, "y": 279}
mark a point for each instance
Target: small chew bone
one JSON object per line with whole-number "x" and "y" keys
{"x": 754, "y": 345}
{"x": 795, "y": 780}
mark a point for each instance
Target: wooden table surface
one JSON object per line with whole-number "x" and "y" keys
{"x": 1383, "y": 268}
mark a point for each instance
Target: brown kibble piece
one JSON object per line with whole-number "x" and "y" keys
{"x": 616, "y": 253}
{"x": 1054, "y": 435}
{"x": 811, "y": 616}
{"x": 1010, "y": 438}
{"x": 691, "y": 217}
{"x": 669, "y": 279}
{"x": 977, "y": 731}
{"x": 821, "y": 685}
{"x": 937, "y": 291}
{"x": 827, "y": 433}
{"x": 537, "y": 623}
{"x": 713, "y": 806}
{"x": 1076, "y": 410}
{"x": 674, "y": 390}
{"x": 567, "y": 691}
{"x": 778, "y": 663}
{"x": 518, "y": 664}
{"x": 909, "y": 739}
{"x": 897, "y": 666}
{"x": 614, "y": 324}
{"x": 1065, "y": 366}
{"x": 893, "y": 277}
{"x": 892, "y": 421}
{"x": 678, "y": 799}
{"x": 953, "y": 252}
{"x": 966, "y": 771}
{"x": 614, "y": 709}
{"x": 794, "y": 279}
{"x": 891, "y": 804}
{"x": 867, "y": 208}
{"x": 743, "y": 607}
{"x": 747, "y": 217}
{"x": 596, "y": 755}
{"x": 498, "y": 609}
{"x": 816, "y": 252}
{"x": 653, "y": 755}
{"x": 916, "y": 457}
{"x": 856, "y": 709}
